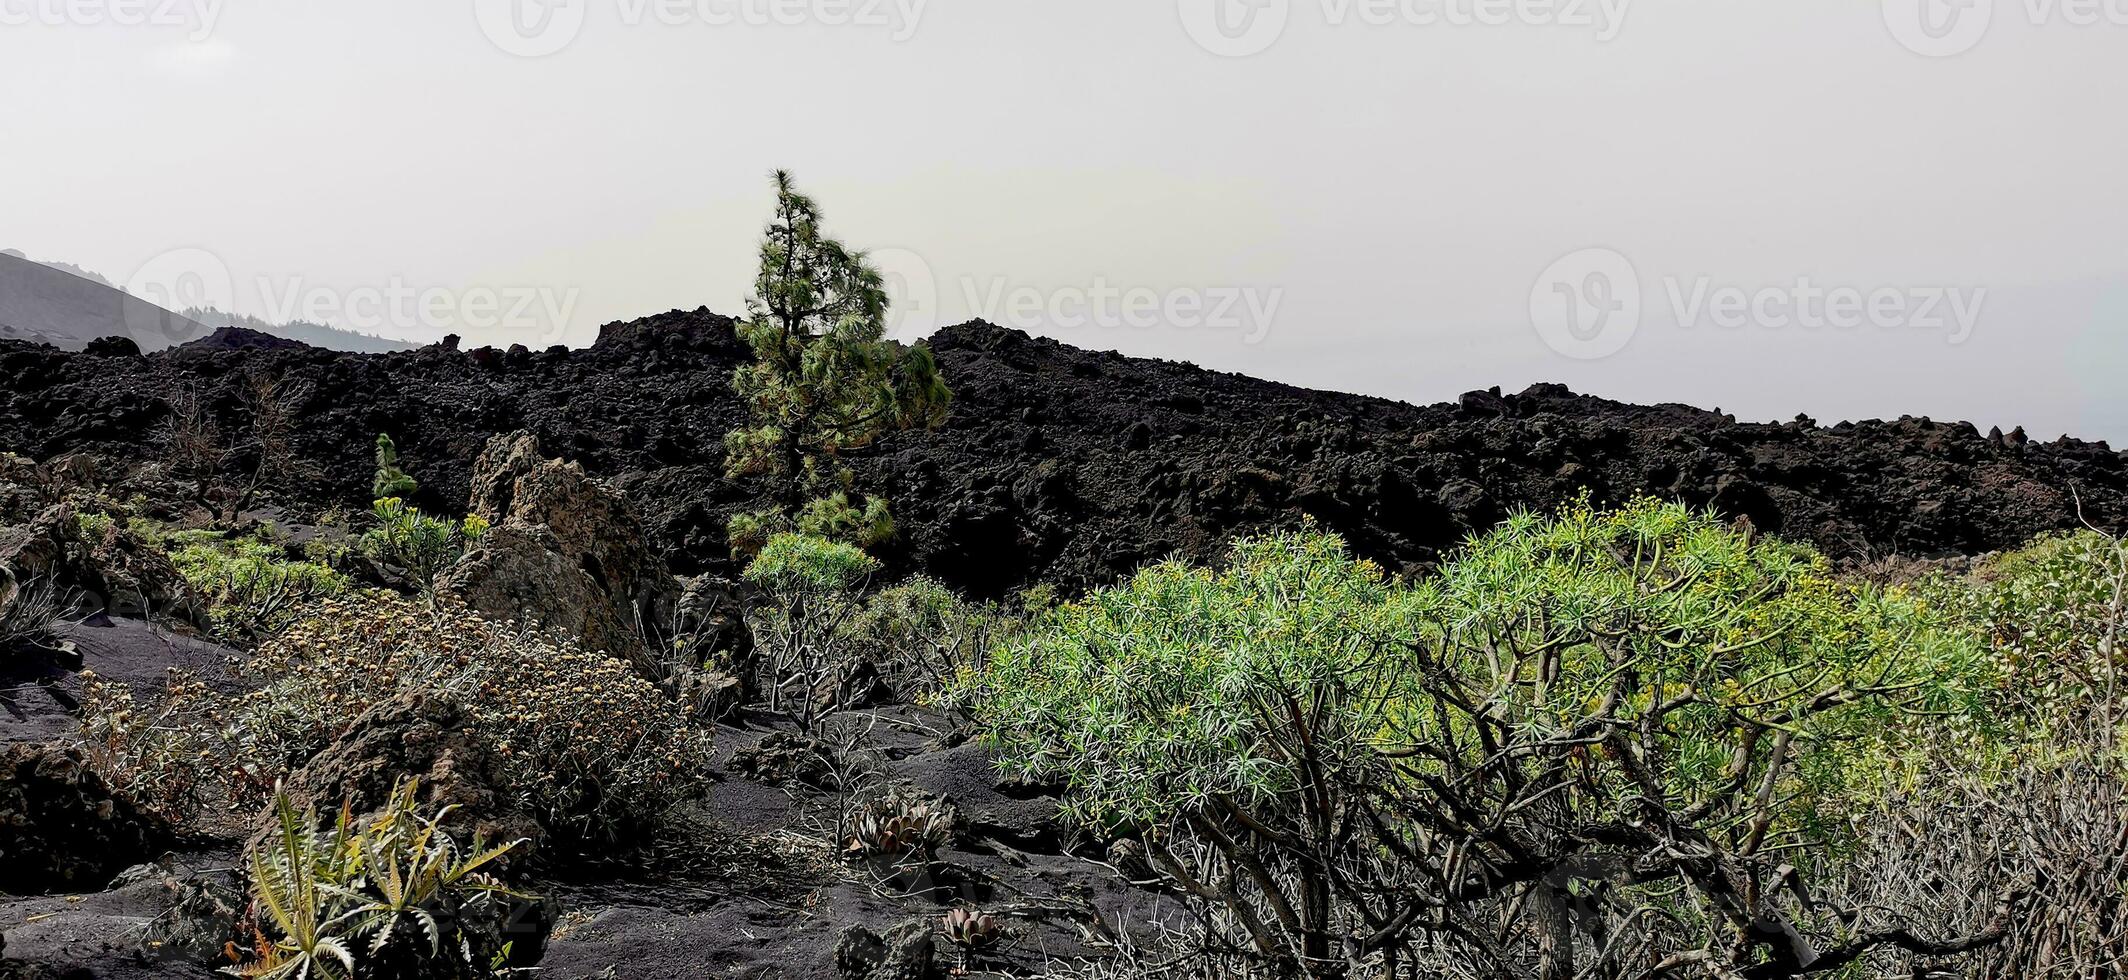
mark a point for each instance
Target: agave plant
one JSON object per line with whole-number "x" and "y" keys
{"x": 971, "y": 929}
{"x": 334, "y": 901}
{"x": 898, "y": 826}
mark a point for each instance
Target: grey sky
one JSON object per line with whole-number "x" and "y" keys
{"x": 1379, "y": 201}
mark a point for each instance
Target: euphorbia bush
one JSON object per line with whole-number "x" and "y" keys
{"x": 1574, "y": 717}
{"x": 809, "y": 588}
{"x": 252, "y": 588}
{"x": 416, "y": 542}
{"x": 1191, "y": 704}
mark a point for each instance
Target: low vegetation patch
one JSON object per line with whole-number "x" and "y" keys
{"x": 810, "y": 588}
{"x": 589, "y": 749}
{"x": 387, "y": 895}
{"x": 251, "y": 586}
{"x": 30, "y": 613}
{"x": 1589, "y": 741}
{"x": 817, "y": 627}
{"x": 422, "y": 545}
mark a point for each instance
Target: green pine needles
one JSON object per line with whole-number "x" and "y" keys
{"x": 824, "y": 383}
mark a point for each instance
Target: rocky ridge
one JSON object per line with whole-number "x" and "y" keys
{"x": 1069, "y": 466}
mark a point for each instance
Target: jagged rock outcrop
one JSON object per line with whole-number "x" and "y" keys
{"x": 563, "y": 551}
{"x": 424, "y": 736}
{"x": 62, "y": 828}
{"x": 99, "y": 565}
{"x": 709, "y": 629}
{"x": 21, "y": 490}
{"x": 904, "y": 953}
{"x": 1074, "y": 467}
{"x": 112, "y": 347}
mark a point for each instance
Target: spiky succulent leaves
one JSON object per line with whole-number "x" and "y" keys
{"x": 897, "y": 826}
{"x": 326, "y": 895}
{"x": 285, "y": 882}
{"x": 824, "y": 380}
{"x": 411, "y": 869}
{"x": 970, "y": 928}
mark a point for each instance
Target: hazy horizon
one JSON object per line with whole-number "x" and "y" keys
{"x": 1412, "y": 207}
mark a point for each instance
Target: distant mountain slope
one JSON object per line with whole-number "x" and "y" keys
{"x": 304, "y": 332}
{"x": 1074, "y": 467}
{"x": 45, "y": 304}
{"x": 67, "y": 306}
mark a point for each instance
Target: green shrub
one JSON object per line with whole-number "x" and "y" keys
{"x": 392, "y": 895}
{"x": 1644, "y": 688}
{"x": 594, "y": 753}
{"x": 929, "y": 641}
{"x": 810, "y": 588}
{"x": 252, "y": 588}
{"x": 1151, "y": 698}
{"x": 816, "y": 629}
{"x": 420, "y": 544}
{"x": 170, "y": 753}
{"x": 2052, "y": 612}
{"x": 1702, "y": 638}
{"x": 802, "y": 565}
{"x": 93, "y": 525}
{"x": 2028, "y": 792}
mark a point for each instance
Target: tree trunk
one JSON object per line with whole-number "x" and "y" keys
{"x": 1324, "y": 958}
{"x": 1552, "y": 915}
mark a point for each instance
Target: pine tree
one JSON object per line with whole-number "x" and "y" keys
{"x": 824, "y": 383}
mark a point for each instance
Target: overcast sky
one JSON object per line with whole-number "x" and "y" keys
{"x": 1667, "y": 200}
